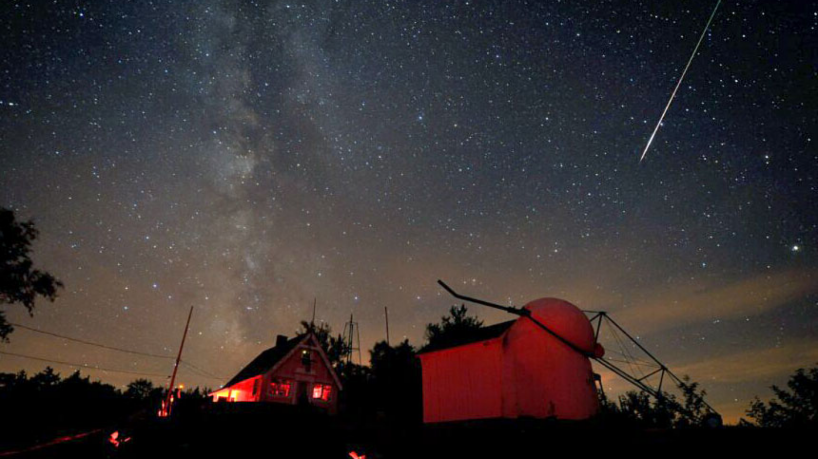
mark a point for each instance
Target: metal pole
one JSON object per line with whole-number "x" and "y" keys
{"x": 386, "y": 316}
{"x": 513, "y": 310}
{"x": 176, "y": 365}
{"x": 598, "y": 326}
{"x": 350, "y": 341}
{"x": 520, "y": 312}
{"x": 358, "y": 336}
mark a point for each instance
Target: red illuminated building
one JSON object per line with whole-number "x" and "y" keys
{"x": 515, "y": 369}
{"x": 295, "y": 371}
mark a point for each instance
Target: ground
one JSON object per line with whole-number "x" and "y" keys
{"x": 236, "y": 430}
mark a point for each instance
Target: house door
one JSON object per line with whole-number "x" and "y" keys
{"x": 301, "y": 396}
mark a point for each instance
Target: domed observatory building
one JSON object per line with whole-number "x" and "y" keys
{"x": 515, "y": 369}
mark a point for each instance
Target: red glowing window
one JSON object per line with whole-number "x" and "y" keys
{"x": 321, "y": 391}
{"x": 280, "y": 388}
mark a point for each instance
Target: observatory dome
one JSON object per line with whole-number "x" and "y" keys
{"x": 566, "y": 320}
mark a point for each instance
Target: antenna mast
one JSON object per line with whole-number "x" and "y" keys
{"x": 314, "y": 303}
{"x": 166, "y": 408}
{"x": 351, "y": 336}
{"x": 386, "y": 317}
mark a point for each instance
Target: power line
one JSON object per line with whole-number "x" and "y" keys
{"x": 78, "y": 365}
{"x": 91, "y": 343}
{"x": 201, "y": 372}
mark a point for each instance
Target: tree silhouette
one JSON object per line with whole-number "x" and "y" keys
{"x": 795, "y": 407}
{"x": 396, "y": 382}
{"x": 693, "y": 411}
{"x": 19, "y": 282}
{"x": 143, "y": 389}
{"x": 46, "y": 379}
{"x": 452, "y": 328}
{"x": 645, "y": 410}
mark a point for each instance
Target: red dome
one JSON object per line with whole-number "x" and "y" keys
{"x": 566, "y": 320}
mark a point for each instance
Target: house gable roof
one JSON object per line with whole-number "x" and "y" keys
{"x": 476, "y": 336}
{"x": 270, "y": 359}
{"x": 266, "y": 360}
{"x": 321, "y": 353}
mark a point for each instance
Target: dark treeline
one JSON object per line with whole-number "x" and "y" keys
{"x": 640, "y": 409}
{"x": 795, "y": 406}
{"x": 44, "y": 405}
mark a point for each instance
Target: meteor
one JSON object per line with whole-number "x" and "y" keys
{"x": 684, "y": 72}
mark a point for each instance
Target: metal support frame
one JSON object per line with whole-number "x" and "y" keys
{"x": 663, "y": 370}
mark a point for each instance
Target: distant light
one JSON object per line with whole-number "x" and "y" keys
{"x": 796, "y": 248}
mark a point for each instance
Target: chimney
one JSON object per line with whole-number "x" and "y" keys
{"x": 280, "y": 340}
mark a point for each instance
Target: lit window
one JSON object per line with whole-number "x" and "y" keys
{"x": 280, "y": 388}
{"x": 321, "y": 391}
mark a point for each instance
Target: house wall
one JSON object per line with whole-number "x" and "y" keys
{"x": 294, "y": 370}
{"x": 463, "y": 382}
{"x": 240, "y": 392}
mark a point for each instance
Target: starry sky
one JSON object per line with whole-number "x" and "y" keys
{"x": 247, "y": 157}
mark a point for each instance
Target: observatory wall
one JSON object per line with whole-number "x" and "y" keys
{"x": 463, "y": 382}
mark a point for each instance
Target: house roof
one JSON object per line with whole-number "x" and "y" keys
{"x": 475, "y": 336}
{"x": 266, "y": 360}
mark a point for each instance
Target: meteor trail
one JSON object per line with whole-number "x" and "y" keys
{"x": 684, "y": 72}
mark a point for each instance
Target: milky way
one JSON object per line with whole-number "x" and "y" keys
{"x": 247, "y": 157}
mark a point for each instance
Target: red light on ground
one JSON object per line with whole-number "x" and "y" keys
{"x": 116, "y": 440}
{"x": 355, "y": 455}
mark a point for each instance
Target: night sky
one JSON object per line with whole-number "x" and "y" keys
{"x": 247, "y": 157}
